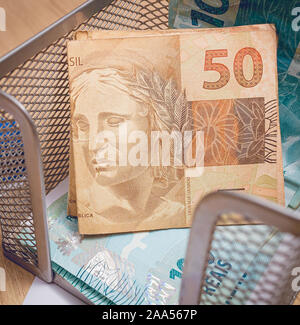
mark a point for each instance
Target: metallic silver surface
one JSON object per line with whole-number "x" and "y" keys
{"x": 34, "y": 177}
{"x": 220, "y": 206}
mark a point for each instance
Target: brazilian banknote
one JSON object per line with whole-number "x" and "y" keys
{"x": 285, "y": 15}
{"x": 213, "y": 92}
{"x": 147, "y": 267}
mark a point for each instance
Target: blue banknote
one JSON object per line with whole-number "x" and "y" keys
{"x": 146, "y": 267}
{"x": 285, "y": 15}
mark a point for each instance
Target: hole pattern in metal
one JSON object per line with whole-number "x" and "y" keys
{"x": 41, "y": 85}
{"x": 249, "y": 264}
{"x": 16, "y": 221}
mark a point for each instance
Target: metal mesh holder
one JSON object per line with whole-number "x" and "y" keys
{"x": 34, "y": 81}
{"x": 241, "y": 250}
{"x": 34, "y": 157}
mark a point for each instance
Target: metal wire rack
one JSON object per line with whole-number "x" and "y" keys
{"x": 241, "y": 264}
{"x": 34, "y": 138}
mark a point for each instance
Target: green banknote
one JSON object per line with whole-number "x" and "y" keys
{"x": 285, "y": 15}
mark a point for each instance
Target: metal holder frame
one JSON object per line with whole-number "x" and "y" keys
{"x": 36, "y": 182}
{"x": 34, "y": 85}
{"x": 204, "y": 225}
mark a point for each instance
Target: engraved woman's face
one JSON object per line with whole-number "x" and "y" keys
{"x": 99, "y": 110}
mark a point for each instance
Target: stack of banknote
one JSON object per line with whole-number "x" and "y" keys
{"x": 147, "y": 267}
{"x": 161, "y": 118}
{"x": 216, "y": 92}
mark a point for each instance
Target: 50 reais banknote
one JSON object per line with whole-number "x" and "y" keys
{"x": 161, "y": 118}
{"x": 285, "y": 15}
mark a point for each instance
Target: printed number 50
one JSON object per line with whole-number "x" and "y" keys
{"x": 237, "y": 68}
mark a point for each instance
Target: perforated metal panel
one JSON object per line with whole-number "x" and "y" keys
{"x": 15, "y": 200}
{"x": 242, "y": 250}
{"x": 241, "y": 268}
{"x": 41, "y": 85}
